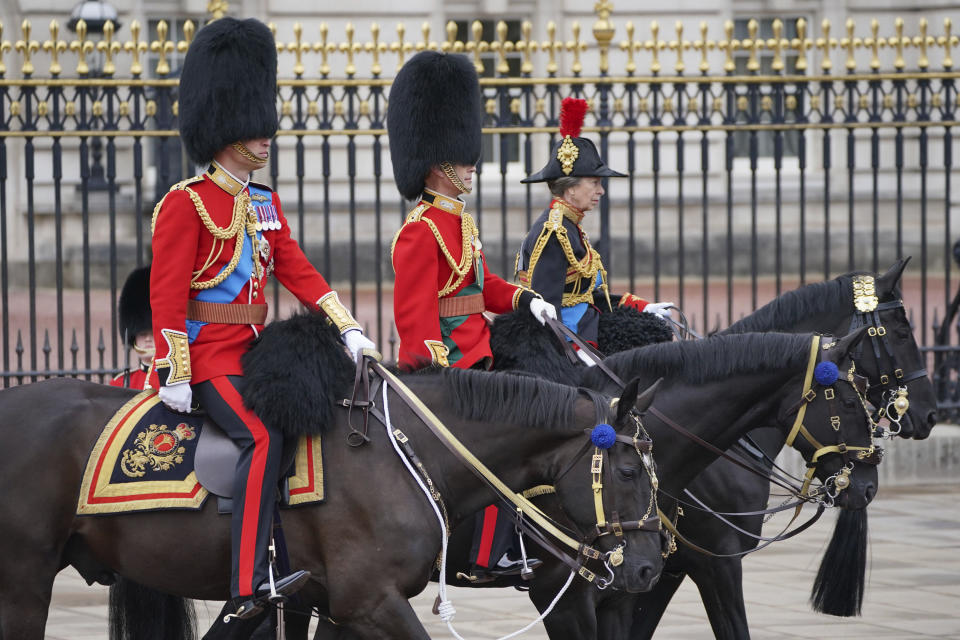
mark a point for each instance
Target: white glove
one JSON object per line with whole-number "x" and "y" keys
{"x": 538, "y": 306}
{"x": 356, "y": 342}
{"x": 659, "y": 308}
{"x": 177, "y": 396}
{"x": 585, "y": 358}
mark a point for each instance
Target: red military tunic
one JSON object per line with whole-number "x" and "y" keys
{"x": 139, "y": 379}
{"x": 185, "y": 250}
{"x": 435, "y": 256}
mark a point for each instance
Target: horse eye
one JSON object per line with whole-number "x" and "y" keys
{"x": 626, "y": 473}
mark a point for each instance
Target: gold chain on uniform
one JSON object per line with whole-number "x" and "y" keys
{"x": 468, "y": 231}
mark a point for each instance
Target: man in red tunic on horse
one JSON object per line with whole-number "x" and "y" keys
{"x": 216, "y": 239}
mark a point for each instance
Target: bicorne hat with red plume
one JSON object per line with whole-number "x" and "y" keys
{"x": 573, "y": 156}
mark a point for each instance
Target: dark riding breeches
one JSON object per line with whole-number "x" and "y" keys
{"x": 255, "y": 484}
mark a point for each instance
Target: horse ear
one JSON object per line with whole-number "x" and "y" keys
{"x": 847, "y": 343}
{"x": 888, "y": 282}
{"x": 642, "y": 401}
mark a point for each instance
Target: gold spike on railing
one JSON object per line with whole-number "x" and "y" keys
{"x": 576, "y": 46}
{"x": 776, "y": 43}
{"x": 921, "y": 42}
{"x": 427, "y": 43}
{"x": 801, "y": 44}
{"x": 502, "y": 46}
{"x": 136, "y": 47}
{"x": 189, "y": 30}
{"x": 850, "y": 42}
{"x": 163, "y": 47}
{"x": 946, "y": 41}
{"x": 729, "y": 45}
{"x": 350, "y": 48}
{"x": 54, "y": 46}
{"x": 5, "y": 46}
{"x": 654, "y": 46}
{"x": 899, "y": 42}
{"x": 702, "y": 45}
{"x": 874, "y": 42}
{"x": 27, "y": 48}
{"x": 526, "y": 46}
{"x": 325, "y": 48}
{"x": 679, "y": 45}
{"x": 627, "y": 45}
{"x": 375, "y": 48}
{"x": 477, "y": 45}
{"x": 450, "y": 44}
{"x": 825, "y": 43}
{"x": 298, "y": 47}
{"x": 108, "y": 48}
{"x": 603, "y": 32}
{"x": 82, "y": 47}
{"x": 217, "y": 9}
{"x": 400, "y": 47}
{"x": 753, "y": 44}
{"x": 551, "y": 46}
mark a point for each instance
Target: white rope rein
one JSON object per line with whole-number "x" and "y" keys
{"x": 445, "y": 607}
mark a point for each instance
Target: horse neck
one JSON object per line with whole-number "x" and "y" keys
{"x": 719, "y": 412}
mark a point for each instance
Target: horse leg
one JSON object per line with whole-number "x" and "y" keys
{"x": 380, "y": 617}
{"x": 721, "y": 589}
{"x": 575, "y": 615}
{"x": 649, "y": 607}
{"x": 26, "y": 585}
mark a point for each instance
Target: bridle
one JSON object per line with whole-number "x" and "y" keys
{"x": 892, "y": 379}
{"x": 530, "y": 519}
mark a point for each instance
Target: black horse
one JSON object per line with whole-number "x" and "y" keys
{"x": 372, "y": 502}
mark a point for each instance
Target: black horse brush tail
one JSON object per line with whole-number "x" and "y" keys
{"x": 135, "y": 610}
{"x": 838, "y": 588}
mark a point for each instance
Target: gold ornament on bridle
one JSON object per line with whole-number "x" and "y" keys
{"x": 864, "y": 294}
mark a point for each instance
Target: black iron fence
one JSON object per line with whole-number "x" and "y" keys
{"x": 802, "y": 157}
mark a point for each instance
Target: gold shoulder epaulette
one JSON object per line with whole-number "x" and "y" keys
{"x": 178, "y": 186}
{"x": 414, "y": 216}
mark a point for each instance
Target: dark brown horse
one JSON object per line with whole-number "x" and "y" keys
{"x": 370, "y": 546}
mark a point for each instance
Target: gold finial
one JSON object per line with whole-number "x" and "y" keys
{"x": 627, "y": 45}
{"x": 400, "y": 47}
{"x": 777, "y": 44}
{"x": 922, "y": 41}
{"x": 217, "y": 9}
{"x": 272, "y": 26}
{"x": 162, "y": 46}
{"x": 702, "y": 45}
{"x": 603, "y": 31}
{"x": 4, "y": 47}
{"x": 350, "y": 48}
{"x": 729, "y": 45}
{"x": 108, "y": 48}
{"x": 679, "y": 45}
{"x": 801, "y": 43}
{"x": 899, "y": 43}
{"x": 477, "y": 45}
{"x": 874, "y": 42}
{"x": 450, "y": 43}
{"x": 54, "y": 47}
{"x": 850, "y": 43}
{"x": 376, "y": 48}
{"x": 526, "y": 46}
{"x": 946, "y": 41}
{"x": 26, "y": 47}
{"x": 654, "y": 46}
{"x": 425, "y": 32}
{"x": 189, "y": 30}
{"x": 552, "y": 46}
{"x": 825, "y": 43}
{"x": 324, "y": 48}
{"x": 576, "y": 45}
{"x": 81, "y": 47}
{"x": 501, "y": 46}
{"x": 753, "y": 43}
{"x": 298, "y": 47}
{"x": 135, "y": 47}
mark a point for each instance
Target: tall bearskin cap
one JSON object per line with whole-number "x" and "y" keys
{"x": 134, "y": 312}
{"x": 573, "y": 156}
{"x": 435, "y": 115}
{"x": 228, "y": 87}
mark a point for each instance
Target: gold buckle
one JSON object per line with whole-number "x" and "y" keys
{"x": 872, "y": 332}
{"x": 596, "y": 465}
{"x": 881, "y": 331}
{"x": 828, "y": 393}
{"x": 586, "y": 574}
{"x": 810, "y": 395}
{"x": 884, "y": 378}
{"x": 835, "y": 422}
{"x": 898, "y": 373}
{"x": 399, "y": 435}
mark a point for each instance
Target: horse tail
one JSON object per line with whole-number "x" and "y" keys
{"x": 838, "y": 588}
{"x": 141, "y": 613}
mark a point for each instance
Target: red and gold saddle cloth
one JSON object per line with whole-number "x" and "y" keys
{"x": 144, "y": 460}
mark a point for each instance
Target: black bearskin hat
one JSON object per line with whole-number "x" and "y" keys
{"x": 435, "y": 115}
{"x": 573, "y": 156}
{"x": 228, "y": 87}
{"x": 134, "y": 312}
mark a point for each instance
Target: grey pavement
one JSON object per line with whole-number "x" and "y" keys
{"x": 913, "y": 586}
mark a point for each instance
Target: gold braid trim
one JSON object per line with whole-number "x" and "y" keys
{"x": 178, "y": 357}
{"x": 468, "y": 232}
{"x": 339, "y": 315}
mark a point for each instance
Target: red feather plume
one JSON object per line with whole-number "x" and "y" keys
{"x": 572, "y": 112}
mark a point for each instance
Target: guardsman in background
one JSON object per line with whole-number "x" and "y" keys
{"x": 443, "y": 284}
{"x": 136, "y": 329}
{"x": 556, "y": 259}
{"x": 216, "y": 239}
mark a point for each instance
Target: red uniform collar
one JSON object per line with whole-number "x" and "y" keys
{"x": 444, "y": 203}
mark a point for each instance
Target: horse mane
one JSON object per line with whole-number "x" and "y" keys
{"x": 495, "y": 396}
{"x": 710, "y": 359}
{"x": 294, "y": 372}
{"x": 788, "y": 308}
